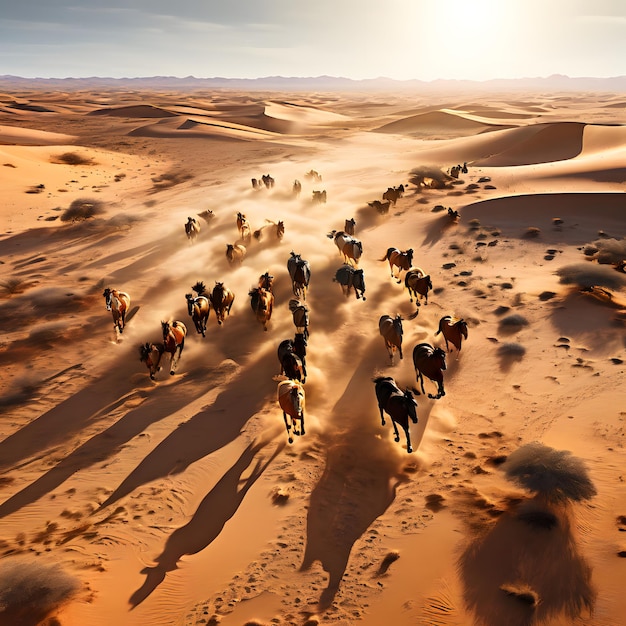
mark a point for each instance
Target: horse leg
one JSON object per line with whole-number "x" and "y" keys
{"x": 302, "y": 423}
{"x": 382, "y": 415}
{"x": 400, "y": 351}
{"x": 288, "y": 426}
{"x": 408, "y": 439}
{"x": 123, "y": 320}
{"x": 395, "y": 430}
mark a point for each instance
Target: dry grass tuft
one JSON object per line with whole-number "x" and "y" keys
{"x": 72, "y": 158}
{"x": 82, "y": 209}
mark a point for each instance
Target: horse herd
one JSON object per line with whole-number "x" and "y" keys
{"x": 400, "y": 405}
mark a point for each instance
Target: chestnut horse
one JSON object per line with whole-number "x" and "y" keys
{"x": 402, "y": 260}
{"x": 150, "y": 354}
{"x": 262, "y": 303}
{"x": 399, "y": 405}
{"x": 300, "y": 313}
{"x": 418, "y": 285}
{"x": 118, "y": 302}
{"x": 199, "y": 309}
{"x": 453, "y": 331}
{"x": 430, "y": 362}
{"x": 222, "y": 300}
{"x": 174, "y": 340}
{"x": 300, "y": 273}
{"x": 391, "y": 330}
{"x": 291, "y": 398}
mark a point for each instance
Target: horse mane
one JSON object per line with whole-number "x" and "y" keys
{"x": 199, "y": 288}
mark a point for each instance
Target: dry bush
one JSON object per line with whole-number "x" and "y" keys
{"x": 513, "y": 351}
{"x": 607, "y": 251}
{"x": 513, "y": 323}
{"x": 532, "y": 232}
{"x": 82, "y": 209}
{"x": 586, "y": 276}
{"x": 72, "y": 158}
{"x": 13, "y": 286}
{"x": 170, "y": 179}
{"x": 30, "y": 591}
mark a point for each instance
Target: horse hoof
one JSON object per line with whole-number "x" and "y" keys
{"x": 290, "y": 439}
{"x": 172, "y": 373}
{"x": 409, "y": 449}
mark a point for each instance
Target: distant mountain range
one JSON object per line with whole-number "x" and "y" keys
{"x": 556, "y": 82}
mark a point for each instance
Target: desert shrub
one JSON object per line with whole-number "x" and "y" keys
{"x": 513, "y": 322}
{"x": 607, "y": 251}
{"x": 82, "y": 209}
{"x": 30, "y": 591}
{"x": 512, "y": 351}
{"x": 72, "y": 158}
{"x": 586, "y": 276}
{"x": 532, "y": 232}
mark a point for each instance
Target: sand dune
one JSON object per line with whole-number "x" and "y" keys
{"x": 178, "y": 500}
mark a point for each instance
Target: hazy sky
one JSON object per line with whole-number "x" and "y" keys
{"x": 401, "y": 39}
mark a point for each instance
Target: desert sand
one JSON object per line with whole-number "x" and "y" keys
{"x": 178, "y": 500}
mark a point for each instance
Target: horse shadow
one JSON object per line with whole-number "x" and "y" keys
{"x": 522, "y": 571}
{"x": 216, "y": 508}
{"x": 437, "y": 229}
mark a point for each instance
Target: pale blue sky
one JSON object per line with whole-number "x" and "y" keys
{"x": 401, "y": 39}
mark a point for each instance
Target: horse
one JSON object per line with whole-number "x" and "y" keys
{"x": 150, "y": 354}
{"x": 299, "y": 348}
{"x": 390, "y": 329}
{"x": 118, "y": 302}
{"x": 300, "y": 313}
{"x": 319, "y": 197}
{"x": 350, "y": 278}
{"x": 290, "y": 363}
{"x": 352, "y": 251}
{"x": 300, "y": 273}
{"x": 430, "y": 362}
{"x": 222, "y": 300}
{"x": 235, "y": 253}
{"x": 453, "y": 331}
{"x": 402, "y": 260}
{"x": 198, "y": 309}
{"x": 262, "y": 303}
{"x": 207, "y": 215}
{"x": 276, "y": 228}
{"x": 192, "y": 228}
{"x": 453, "y": 214}
{"x": 381, "y": 207}
{"x": 313, "y": 175}
{"x": 349, "y": 225}
{"x": 291, "y": 398}
{"x": 418, "y": 285}
{"x": 393, "y": 194}
{"x": 266, "y": 281}
{"x": 297, "y": 187}
{"x": 268, "y": 181}
{"x": 243, "y": 227}
{"x": 174, "y": 339}
{"x": 399, "y": 405}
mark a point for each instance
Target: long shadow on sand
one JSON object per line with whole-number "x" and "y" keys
{"x": 217, "y": 507}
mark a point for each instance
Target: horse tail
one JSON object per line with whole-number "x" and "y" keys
{"x": 386, "y": 257}
{"x": 257, "y": 234}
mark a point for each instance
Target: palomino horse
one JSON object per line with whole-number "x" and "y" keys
{"x": 150, "y": 354}
{"x": 275, "y": 229}
{"x": 222, "y": 300}
{"x": 300, "y": 273}
{"x": 418, "y": 285}
{"x": 235, "y": 253}
{"x": 198, "y": 309}
{"x": 430, "y": 362}
{"x": 174, "y": 340}
{"x": 399, "y": 405}
{"x": 393, "y": 194}
{"x": 391, "y": 330}
{"x": 381, "y": 207}
{"x": 291, "y": 398}
{"x": 118, "y": 302}
{"x": 291, "y": 365}
{"x": 402, "y": 260}
{"x": 243, "y": 226}
{"x": 348, "y": 246}
{"x": 349, "y": 278}
{"x": 262, "y": 303}
{"x": 453, "y": 331}
{"x": 300, "y": 313}
{"x": 192, "y": 228}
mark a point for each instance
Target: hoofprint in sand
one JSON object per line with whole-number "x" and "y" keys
{"x": 179, "y": 500}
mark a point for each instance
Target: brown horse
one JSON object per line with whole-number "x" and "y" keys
{"x": 418, "y": 285}
{"x": 118, "y": 302}
{"x": 390, "y": 329}
{"x": 235, "y": 253}
{"x": 399, "y": 405}
{"x": 430, "y": 362}
{"x": 300, "y": 313}
{"x": 352, "y": 251}
{"x": 174, "y": 340}
{"x": 266, "y": 281}
{"x": 222, "y": 300}
{"x": 291, "y": 398}
{"x": 297, "y": 187}
{"x": 192, "y": 228}
{"x": 262, "y": 303}
{"x": 198, "y": 309}
{"x": 381, "y": 207}
{"x": 393, "y": 194}
{"x": 300, "y": 273}
{"x": 319, "y": 197}
{"x": 150, "y": 354}
{"x": 291, "y": 364}
{"x": 275, "y": 229}
{"x": 453, "y": 331}
{"x": 402, "y": 260}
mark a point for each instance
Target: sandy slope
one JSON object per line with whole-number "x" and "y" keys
{"x": 179, "y": 501}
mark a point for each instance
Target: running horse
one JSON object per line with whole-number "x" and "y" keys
{"x": 118, "y": 302}
{"x": 192, "y": 228}
{"x": 453, "y": 330}
{"x": 430, "y": 362}
{"x": 291, "y": 364}
{"x": 300, "y": 314}
{"x": 399, "y": 405}
{"x": 150, "y": 354}
{"x": 222, "y": 300}
{"x": 350, "y": 278}
{"x": 402, "y": 260}
{"x": 174, "y": 341}
{"x": 235, "y": 253}
{"x": 291, "y": 398}
{"x": 390, "y": 329}
{"x": 198, "y": 309}
{"x": 262, "y": 303}
{"x": 418, "y": 285}
{"x": 267, "y": 282}
{"x": 300, "y": 273}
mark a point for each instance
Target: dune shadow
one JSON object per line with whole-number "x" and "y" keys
{"x": 522, "y": 572}
{"x": 216, "y": 508}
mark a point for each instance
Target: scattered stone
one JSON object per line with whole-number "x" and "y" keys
{"x": 484, "y": 179}
{"x": 448, "y": 266}
{"x": 616, "y": 361}
{"x": 546, "y": 295}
